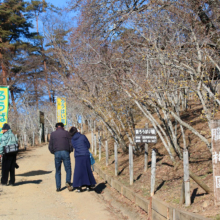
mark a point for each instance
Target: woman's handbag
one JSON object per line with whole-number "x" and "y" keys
{"x": 10, "y": 149}
{"x": 92, "y": 161}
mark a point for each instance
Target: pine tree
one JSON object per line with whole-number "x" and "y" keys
{"x": 15, "y": 37}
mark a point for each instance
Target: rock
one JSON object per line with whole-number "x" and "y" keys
{"x": 195, "y": 211}
{"x": 205, "y": 204}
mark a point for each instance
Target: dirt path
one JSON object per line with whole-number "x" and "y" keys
{"x": 34, "y": 195}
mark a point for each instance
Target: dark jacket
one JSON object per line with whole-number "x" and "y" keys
{"x": 60, "y": 140}
{"x": 80, "y": 144}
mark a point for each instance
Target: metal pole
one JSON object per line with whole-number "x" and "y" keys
{"x": 146, "y": 153}
{"x": 100, "y": 147}
{"x": 186, "y": 177}
{"x": 131, "y": 164}
{"x": 153, "y": 171}
{"x": 95, "y": 144}
{"x": 116, "y": 159}
{"x": 92, "y": 141}
{"x": 106, "y": 152}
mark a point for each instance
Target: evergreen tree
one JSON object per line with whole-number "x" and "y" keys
{"x": 15, "y": 37}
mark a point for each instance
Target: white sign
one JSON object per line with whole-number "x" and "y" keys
{"x": 145, "y": 131}
{"x": 217, "y": 178}
{"x": 216, "y": 134}
{"x": 145, "y": 135}
{"x": 216, "y": 157}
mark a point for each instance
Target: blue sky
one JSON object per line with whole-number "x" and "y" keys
{"x": 58, "y": 3}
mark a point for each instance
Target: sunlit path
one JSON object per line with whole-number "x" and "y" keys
{"x": 34, "y": 195}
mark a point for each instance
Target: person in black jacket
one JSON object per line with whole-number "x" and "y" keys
{"x": 60, "y": 145}
{"x": 83, "y": 175}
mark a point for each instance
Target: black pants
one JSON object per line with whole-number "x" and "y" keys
{"x": 8, "y": 166}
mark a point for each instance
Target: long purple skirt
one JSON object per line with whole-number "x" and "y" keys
{"x": 83, "y": 175}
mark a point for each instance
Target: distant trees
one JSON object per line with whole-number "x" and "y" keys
{"x": 122, "y": 61}
{"x": 127, "y": 58}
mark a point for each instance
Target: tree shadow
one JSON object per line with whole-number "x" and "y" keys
{"x": 113, "y": 162}
{"x": 138, "y": 177}
{"x": 157, "y": 160}
{"x": 28, "y": 182}
{"x": 35, "y": 173}
{"x": 167, "y": 164}
{"x": 100, "y": 188}
{"x": 194, "y": 195}
{"x": 160, "y": 186}
{"x": 121, "y": 171}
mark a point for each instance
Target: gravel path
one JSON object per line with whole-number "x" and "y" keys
{"x": 34, "y": 195}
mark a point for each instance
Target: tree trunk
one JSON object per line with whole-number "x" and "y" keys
{"x": 199, "y": 182}
{"x": 13, "y": 102}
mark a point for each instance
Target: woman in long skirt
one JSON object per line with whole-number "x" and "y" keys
{"x": 83, "y": 175}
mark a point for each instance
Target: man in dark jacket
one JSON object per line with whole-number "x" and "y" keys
{"x": 60, "y": 145}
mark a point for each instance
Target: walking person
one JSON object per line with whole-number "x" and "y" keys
{"x": 60, "y": 146}
{"x": 8, "y": 159}
{"x": 83, "y": 175}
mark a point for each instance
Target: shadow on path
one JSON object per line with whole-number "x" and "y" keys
{"x": 100, "y": 188}
{"x": 28, "y": 182}
{"x": 35, "y": 173}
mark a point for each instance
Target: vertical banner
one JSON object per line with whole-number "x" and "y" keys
{"x": 3, "y": 106}
{"x": 61, "y": 110}
{"x": 215, "y": 131}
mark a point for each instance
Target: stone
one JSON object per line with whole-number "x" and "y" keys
{"x": 205, "y": 204}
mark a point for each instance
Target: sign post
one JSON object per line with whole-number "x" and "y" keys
{"x": 3, "y": 106}
{"x": 41, "y": 127}
{"x": 146, "y": 153}
{"x": 215, "y": 130}
{"x": 146, "y": 135}
{"x": 131, "y": 164}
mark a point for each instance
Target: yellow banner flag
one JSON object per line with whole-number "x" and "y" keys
{"x": 61, "y": 110}
{"x": 3, "y": 107}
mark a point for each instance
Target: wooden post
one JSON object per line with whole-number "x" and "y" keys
{"x": 116, "y": 159}
{"x": 92, "y": 141}
{"x": 46, "y": 131}
{"x": 40, "y": 134}
{"x": 182, "y": 196}
{"x": 186, "y": 177}
{"x": 33, "y": 142}
{"x": 153, "y": 171}
{"x": 106, "y": 152}
{"x": 25, "y": 140}
{"x": 131, "y": 164}
{"x": 100, "y": 147}
{"x": 150, "y": 209}
{"x": 215, "y": 130}
{"x": 146, "y": 153}
{"x": 81, "y": 124}
{"x": 95, "y": 143}
{"x": 174, "y": 214}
